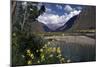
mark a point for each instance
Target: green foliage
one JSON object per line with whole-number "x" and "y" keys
{"x": 25, "y": 15}
{"x": 28, "y": 49}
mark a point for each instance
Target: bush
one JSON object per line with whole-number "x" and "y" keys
{"x": 31, "y": 49}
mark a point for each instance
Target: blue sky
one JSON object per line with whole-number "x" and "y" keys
{"x": 60, "y": 9}
{"x": 56, "y": 15}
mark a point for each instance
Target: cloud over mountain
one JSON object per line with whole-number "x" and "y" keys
{"x": 54, "y": 21}
{"x": 59, "y": 6}
{"x": 68, "y": 8}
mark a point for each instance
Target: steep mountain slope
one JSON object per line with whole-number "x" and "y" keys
{"x": 86, "y": 20}
{"x": 37, "y": 27}
{"x": 66, "y": 26}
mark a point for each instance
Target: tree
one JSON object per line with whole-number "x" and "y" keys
{"x": 24, "y": 15}
{"x": 28, "y": 48}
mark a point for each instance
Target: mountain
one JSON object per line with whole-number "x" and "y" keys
{"x": 83, "y": 21}
{"x": 86, "y": 20}
{"x": 66, "y": 26}
{"x": 37, "y": 27}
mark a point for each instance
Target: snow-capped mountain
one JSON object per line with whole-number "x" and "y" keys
{"x": 58, "y": 17}
{"x": 58, "y": 23}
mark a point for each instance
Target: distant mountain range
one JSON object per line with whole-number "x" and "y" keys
{"x": 66, "y": 26}
{"x": 85, "y": 20}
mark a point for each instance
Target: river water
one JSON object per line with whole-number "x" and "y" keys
{"x": 75, "y": 48}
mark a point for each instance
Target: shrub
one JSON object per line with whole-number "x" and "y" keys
{"x": 31, "y": 49}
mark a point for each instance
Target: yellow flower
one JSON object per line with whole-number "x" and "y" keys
{"x": 49, "y": 43}
{"x": 58, "y": 50}
{"x": 62, "y": 59}
{"x": 49, "y": 49}
{"x": 28, "y": 51}
{"x": 14, "y": 34}
{"x": 37, "y": 50}
{"x": 45, "y": 45}
{"x": 51, "y": 55}
{"x": 41, "y": 50}
{"x": 32, "y": 56}
{"x": 59, "y": 56}
{"x": 42, "y": 56}
{"x": 38, "y": 61}
{"x": 68, "y": 60}
{"x": 29, "y": 62}
{"x": 54, "y": 49}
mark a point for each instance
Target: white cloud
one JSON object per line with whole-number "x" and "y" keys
{"x": 59, "y": 6}
{"x": 48, "y": 9}
{"x": 54, "y": 21}
{"x": 68, "y": 8}
{"x": 51, "y": 20}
